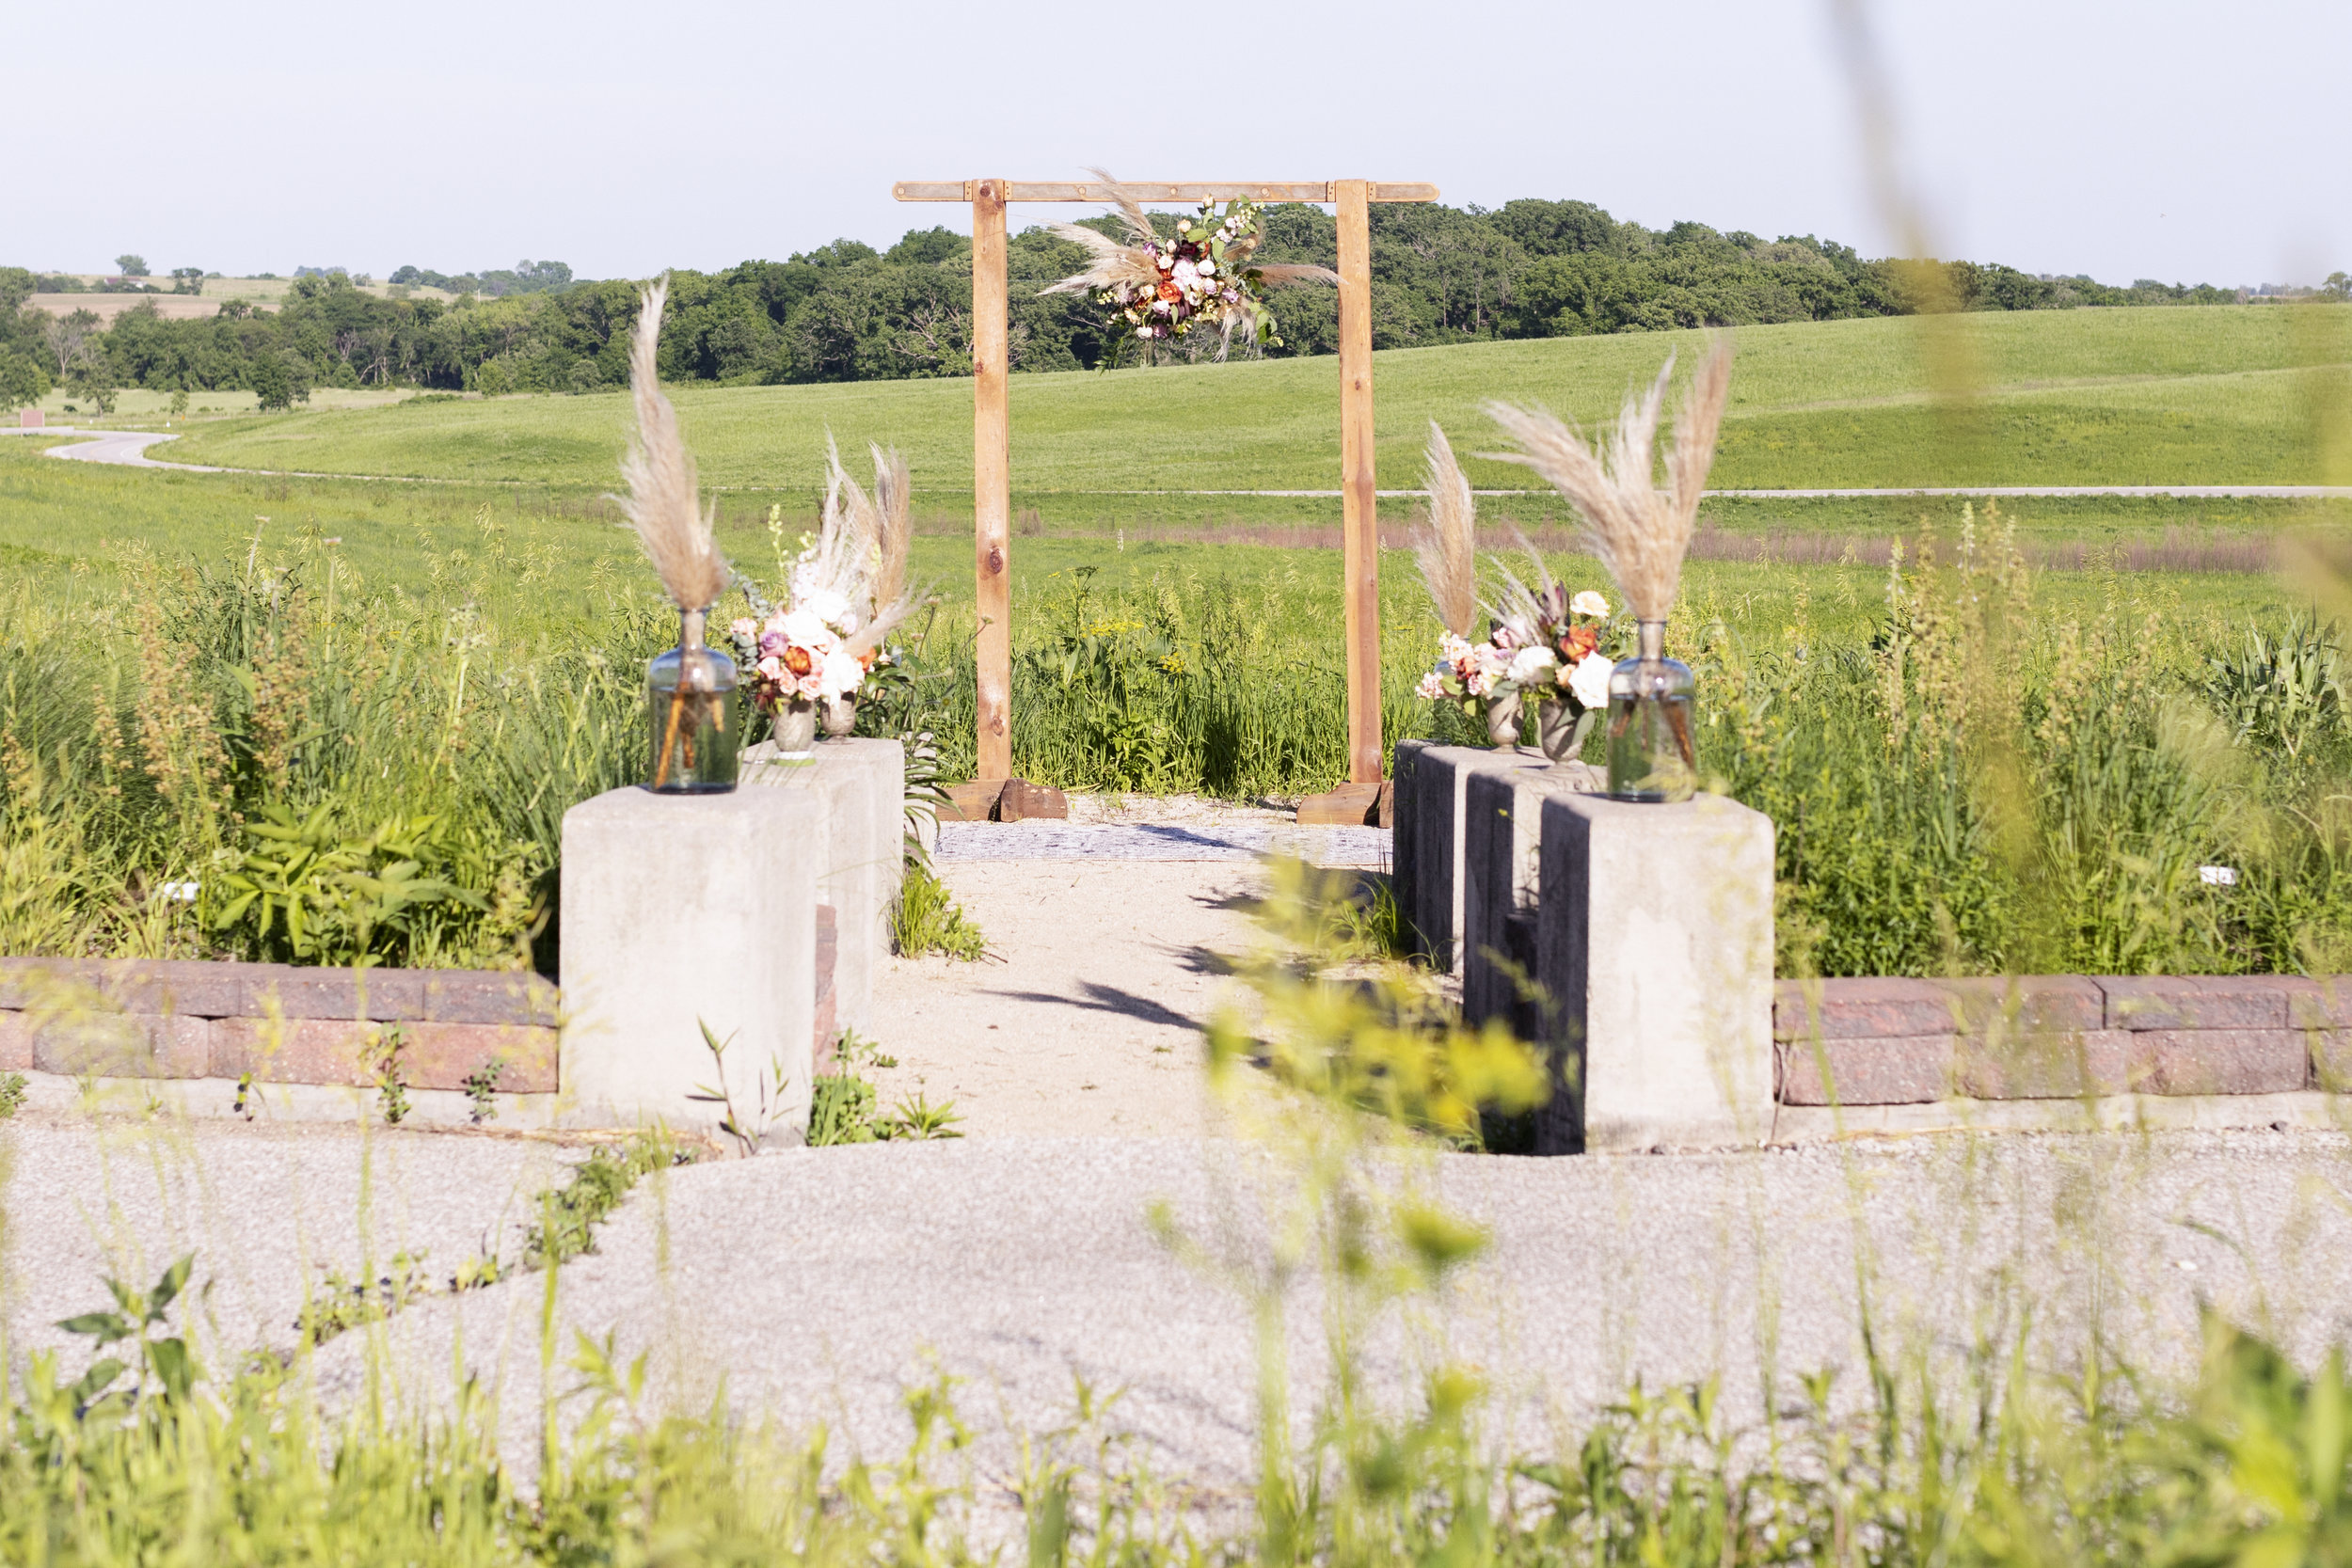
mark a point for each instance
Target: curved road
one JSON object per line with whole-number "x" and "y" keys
{"x": 128, "y": 448}
{"x": 125, "y": 447}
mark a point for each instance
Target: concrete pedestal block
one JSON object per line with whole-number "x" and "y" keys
{"x": 1430, "y": 802}
{"x": 1654, "y": 941}
{"x": 1501, "y": 880}
{"x": 680, "y": 911}
{"x": 856, "y": 819}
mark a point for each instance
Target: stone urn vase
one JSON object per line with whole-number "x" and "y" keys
{"x": 840, "y": 718}
{"x": 796, "y": 728}
{"x": 1503, "y": 721}
{"x": 1560, "y": 729}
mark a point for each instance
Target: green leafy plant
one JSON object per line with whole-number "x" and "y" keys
{"x": 160, "y": 1365}
{"x": 336, "y": 1304}
{"x": 569, "y": 1215}
{"x": 750, "y": 1124}
{"x": 2281, "y": 689}
{"x": 12, "y": 1087}
{"x": 917, "y": 1119}
{"x": 391, "y": 1088}
{"x": 481, "y": 1087}
{"x": 927, "y": 919}
{"x": 304, "y": 890}
{"x": 843, "y": 1107}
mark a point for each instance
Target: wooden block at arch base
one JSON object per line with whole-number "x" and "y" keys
{"x": 1004, "y": 800}
{"x": 1351, "y": 805}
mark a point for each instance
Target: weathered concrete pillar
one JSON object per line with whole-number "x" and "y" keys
{"x": 680, "y": 911}
{"x": 857, "y": 795}
{"x": 1432, "y": 799}
{"x": 1501, "y": 880}
{"x": 1654, "y": 944}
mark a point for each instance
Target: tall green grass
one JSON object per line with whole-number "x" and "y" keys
{"x": 1987, "y": 788}
{"x": 254, "y": 758}
{"x": 1972, "y": 767}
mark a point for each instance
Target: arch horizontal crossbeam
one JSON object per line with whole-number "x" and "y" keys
{"x": 1180, "y": 190}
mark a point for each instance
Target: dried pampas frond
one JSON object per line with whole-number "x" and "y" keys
{"x": 1281, "y": 274}
{"x": 1112, "y": 262}
{"x": 889, "y": 599}
{"x": 894, "y": 506}
{"x": 1447, "y": 546}
{"x": 679, "y": 537}
{"x": 838, "y": 560}
{"x": 1640, "y": 532}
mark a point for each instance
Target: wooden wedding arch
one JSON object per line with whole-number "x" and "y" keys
{"x": 991, "y": 455}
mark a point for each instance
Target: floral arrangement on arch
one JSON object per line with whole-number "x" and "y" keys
{"x": 846, "y": 591}
{"x": 1165, "y": 288}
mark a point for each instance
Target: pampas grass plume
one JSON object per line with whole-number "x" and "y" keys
{"x": 679, "y": 537}
{"x": 1446, "y": 547}
{"x": 894, "y": 506}
{"x": 1640, "y": 532}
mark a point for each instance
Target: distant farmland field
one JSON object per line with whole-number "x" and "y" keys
{"x": 2214, "y": 395}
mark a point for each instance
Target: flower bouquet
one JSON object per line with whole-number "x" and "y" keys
{"x": 1165, "y": 288}
{"x": 1641, "y": 533}
{"x": 1552, "y": 641}
{"x": 1544, "y": 645}
{"x": 846, "y": 591}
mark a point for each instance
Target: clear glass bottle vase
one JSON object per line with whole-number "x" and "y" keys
{"x": 690, "y": 709}
{"x": 1651, "y": 756}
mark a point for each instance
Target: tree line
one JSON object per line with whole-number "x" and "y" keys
{"x": 848, "y": 312}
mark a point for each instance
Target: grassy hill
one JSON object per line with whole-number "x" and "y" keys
{"x": 2217, "y": 395}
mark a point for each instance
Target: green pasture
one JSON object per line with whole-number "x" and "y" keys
{"x": 2222, "y": 395}
{"x": 537, "y": 558}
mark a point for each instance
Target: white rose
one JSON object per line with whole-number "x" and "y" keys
{"x": 1186, "y": 276}
{"x": 1530, "y": 665}
{"x": 1208, "y": 268}
{"x": 805, "y": 627}
{"x": 840, "y": 674}
{"x": 1589, "y": 683}
{"x": 1589, "y": 603}
{"x": 826, "y": 605}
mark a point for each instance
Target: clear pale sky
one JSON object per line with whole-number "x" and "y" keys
{"x": 2134, "y": 138}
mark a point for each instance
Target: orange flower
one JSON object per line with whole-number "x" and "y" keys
{"x": 1169, "y": 291}
{"x": 1578, "y": 641}
{"x": 797, "y": 659}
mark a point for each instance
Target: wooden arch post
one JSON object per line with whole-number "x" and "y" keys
{"x": 991, "y": 429}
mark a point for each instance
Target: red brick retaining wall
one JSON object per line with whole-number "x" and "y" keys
{"x": 131, "y": 1019}
{"x": 1894, "y": 1042}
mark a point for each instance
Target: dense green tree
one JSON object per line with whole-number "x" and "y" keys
{"x": 131, "y": 264}
{"x": 24, "y": 379}
{"x": 848, "y": 311}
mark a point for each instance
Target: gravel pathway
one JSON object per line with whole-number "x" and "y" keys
{"x": 264, "y": 1209}
{"x": 820, "y": 1284}
{"x": 1340, "y": 848}
{"x": 1085, "y": 1017}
